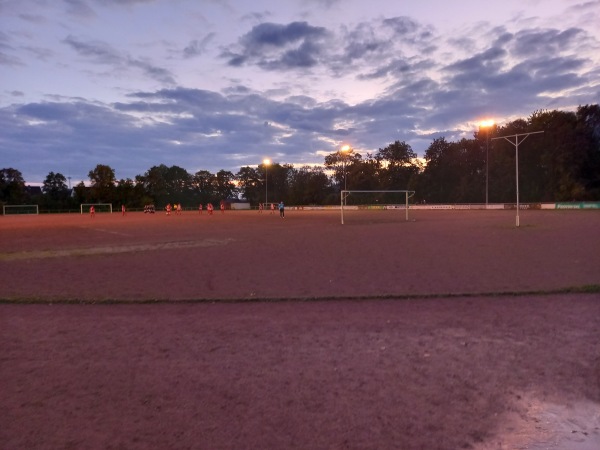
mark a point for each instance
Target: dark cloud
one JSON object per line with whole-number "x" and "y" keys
{"x": 279, "y": 47}
{"x": 487, "y": 61}
{"x": 535, "y": 42}
{"x": 363, "y": 42}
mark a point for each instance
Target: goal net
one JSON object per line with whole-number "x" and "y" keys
{"x": 98, "y": 207}
{"x": 20, "y": 209}
{"x": 375, "y": 200}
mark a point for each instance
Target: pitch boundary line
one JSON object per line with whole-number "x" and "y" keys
{"x": 591, "y": 289}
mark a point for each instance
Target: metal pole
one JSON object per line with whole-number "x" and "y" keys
{"x": 517, "y": 172}
{"x": 345, "y": 175}
{"x": 266, "y": 187}
{"x": 342, "y": 206}
{"x": 487, "y": 157}
{"x": 516, "y": 144}
{"x": 345, "y": 184}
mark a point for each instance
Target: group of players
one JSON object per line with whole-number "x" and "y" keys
{"x": 176, "y": 207}
{"x": 281, "y": 208}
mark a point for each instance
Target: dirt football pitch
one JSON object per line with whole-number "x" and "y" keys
{"x": 453, "y": 330}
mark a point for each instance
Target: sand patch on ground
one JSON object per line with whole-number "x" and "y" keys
{"x": 44, "y": 254}
{"x": 542, "y": 425}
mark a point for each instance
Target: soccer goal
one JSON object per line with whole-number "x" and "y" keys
{"x": 370, "y": 195}
{"x": 20, "y": 209}
{"x": 98, "y": 207}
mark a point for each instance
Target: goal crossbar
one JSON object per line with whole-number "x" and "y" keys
{"x": 20, "y": 209}
{"x": 100, "y": 207}
{"x": 344, "y": 194}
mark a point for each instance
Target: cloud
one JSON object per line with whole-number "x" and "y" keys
{"x": 99, "y": 52}
{"x": 80, "y": 9}
{"x": 419, "y": 83}
{"x": 196, "y": 47}
{"x": 279, "y": 47}
{"x": 534, "y": 42}
{"x": 102, "y": 53}
{"x": 6, "y": 48}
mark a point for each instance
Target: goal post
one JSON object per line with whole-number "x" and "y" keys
{"x": 20, "y": 209}
{"x": 98, "y": 207}
{"x": 345, "y": 193}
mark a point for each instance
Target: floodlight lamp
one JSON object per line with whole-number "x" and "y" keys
{"x": 346, "y": 149}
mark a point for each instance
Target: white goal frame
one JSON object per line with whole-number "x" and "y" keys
{"x": 87, "y": 206}
{"x": 5, "y": 207}
{"x": 345, "y": 193}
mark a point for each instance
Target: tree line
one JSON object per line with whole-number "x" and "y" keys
{"x": 562, "y": 164}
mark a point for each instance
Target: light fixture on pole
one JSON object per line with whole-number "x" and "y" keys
{"x": 266, "y": 163}
{"x": 487, "y": 124}
{"x": 516, "y": 145}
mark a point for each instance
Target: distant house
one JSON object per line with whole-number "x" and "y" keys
{"x": 33, "y": 191}
{"x": 236, "y": 203}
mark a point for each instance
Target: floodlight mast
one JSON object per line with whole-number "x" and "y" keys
{"x": 266, "y": 163}
{"x": 516, "y": 145}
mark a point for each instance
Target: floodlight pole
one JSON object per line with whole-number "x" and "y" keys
{"x": 266, "y": 163}
{"x": 516, "y": 144}
{"x": 487, "y": 159}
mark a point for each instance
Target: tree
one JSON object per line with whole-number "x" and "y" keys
{"x": 309, "y": 186}
{"x": 398, "y": 165}
{"x": 279, "y": 181}
{"x": 251, "y": 184}
{"x": 102, "y": 186}
{"x": 436, "y": 179}
{"x": 81, "y": 193}
{"x": 125, "y": 194}
{"x": 55, "y": 189}
{"x": 588, "y": 121}
{"x": 178, "y": 183}
{"x": 341, "y": 164}
{"x": 12, "y": 186}
{"x": 224, "y": 185}
{"x": 167, "y": 184}
{"x": 203, "y": 186}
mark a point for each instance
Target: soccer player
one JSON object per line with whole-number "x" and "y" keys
{"x": 123, "y": 209}
{"x": 260, "y": 208}
{"x": 272, "y": 208}
{"x": 222, "y": 207}
{"x": 92, "y": 212}
{"x": 209, "y": 208}
{"x": 200, "y": 208}
{"x": 281, "y": 210}
{"x": 168, "y": 208}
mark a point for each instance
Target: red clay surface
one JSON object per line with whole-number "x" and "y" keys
{"x": 385, "y": 355}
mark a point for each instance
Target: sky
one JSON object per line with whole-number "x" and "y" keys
{"x": 221, "y": 84}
